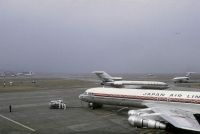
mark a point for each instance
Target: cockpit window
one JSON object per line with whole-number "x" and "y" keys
{"x": 88, "y": 93}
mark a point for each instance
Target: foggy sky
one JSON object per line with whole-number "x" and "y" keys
{"x": 80, "y": 36}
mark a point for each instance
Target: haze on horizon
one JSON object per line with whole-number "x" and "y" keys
{"x": 118, "y": 36}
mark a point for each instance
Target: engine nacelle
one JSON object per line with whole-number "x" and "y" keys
{"x": 135, "y": 113}
{"x": 139, "y": 112}
{"x": 119, "y": 83}
{"x": 137, "y": 121}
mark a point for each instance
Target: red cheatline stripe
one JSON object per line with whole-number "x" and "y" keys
{"x": 195, "y": 101}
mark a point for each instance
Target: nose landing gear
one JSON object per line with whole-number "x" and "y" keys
{"x": 93, "y": 106}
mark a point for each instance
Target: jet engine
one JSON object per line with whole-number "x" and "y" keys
{"x": 117, "y": 84}
{"x": 145, "y": 118}
{"x": 137, "y": 121}
{"x": 139, "y": 112}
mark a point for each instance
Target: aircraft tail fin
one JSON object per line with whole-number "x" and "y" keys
{"x": 188, "y": 74}
{"x": 103, "y": 76}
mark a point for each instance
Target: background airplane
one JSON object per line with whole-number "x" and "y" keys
{"x": 183, "y": 79}
{"x": 118, "y": 82}
{"x": 24, "y": 73}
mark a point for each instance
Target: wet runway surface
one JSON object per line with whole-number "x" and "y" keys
{"x": 31, "y": 115}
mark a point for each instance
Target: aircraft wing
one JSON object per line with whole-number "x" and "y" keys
{"x": 176, "y": 116}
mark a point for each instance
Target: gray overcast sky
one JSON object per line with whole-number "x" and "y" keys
{"x": 124, "y": 36}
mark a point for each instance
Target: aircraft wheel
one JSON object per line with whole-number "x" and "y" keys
{"x": 94, "y": 105}
{"x": 91, "y": 105}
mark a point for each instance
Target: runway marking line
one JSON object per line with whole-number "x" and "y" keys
{"x": 17, "y": 123}
{"x": 107, "y": 115}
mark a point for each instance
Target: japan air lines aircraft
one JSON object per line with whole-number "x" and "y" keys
{"x": 160, "y": 109}
{"x": 118, "y": 82}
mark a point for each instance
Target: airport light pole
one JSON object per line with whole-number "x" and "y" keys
{"x": 4, "y": 80}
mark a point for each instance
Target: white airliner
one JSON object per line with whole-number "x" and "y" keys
{"x": 118, "y": 82}
{"x": 162, "y": 109}
{"x": 24, "y": 74}
{"x": 28, "y": 73}
{"x": 183, "y": 79}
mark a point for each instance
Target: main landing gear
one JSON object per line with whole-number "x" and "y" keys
{"x": 92, "y": 105}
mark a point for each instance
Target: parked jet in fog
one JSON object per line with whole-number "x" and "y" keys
{"x": 25, "y": 73}
{"x": 162, "y": 109}
{"x": 183, "y": 79}
{"x": 118, "y": 82}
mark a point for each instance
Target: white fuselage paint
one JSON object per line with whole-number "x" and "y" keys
{"x": 181, "y": 79}
{"x": 138, "y": 84}
{"x": 139, "y": 97}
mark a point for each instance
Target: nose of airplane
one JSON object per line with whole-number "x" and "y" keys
{"x": 80, "y": 96}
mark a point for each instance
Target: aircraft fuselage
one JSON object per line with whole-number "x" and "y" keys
{"x": 139, "y": 97}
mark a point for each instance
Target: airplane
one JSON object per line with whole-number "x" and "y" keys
{"x": 118, "y": 82}
{"x": 160, "y": 109}
{"x": 24, "y": 74}
{"x": 28, "y": 73}
{"x": 183, "y": 79}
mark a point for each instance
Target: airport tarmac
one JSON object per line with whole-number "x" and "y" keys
{"x": 31, "y": 115}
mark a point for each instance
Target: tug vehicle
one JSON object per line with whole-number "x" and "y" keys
{"x": 57, "y": 104}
